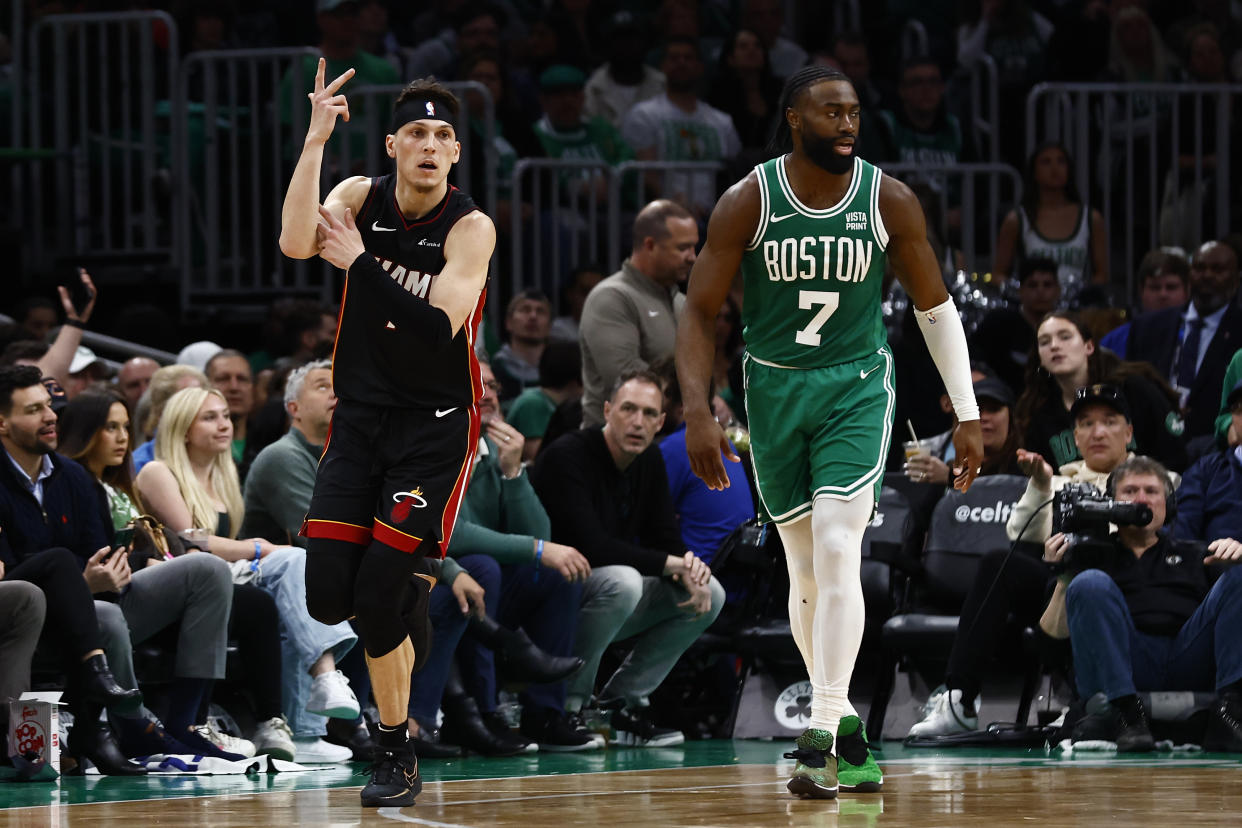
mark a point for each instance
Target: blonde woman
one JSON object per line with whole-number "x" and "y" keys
{"x": 193, "y": 483}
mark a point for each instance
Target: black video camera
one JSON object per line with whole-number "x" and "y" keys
{"x": 1084, "y": 513}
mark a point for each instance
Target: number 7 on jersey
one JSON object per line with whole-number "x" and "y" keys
{"x": 807, "y": 299}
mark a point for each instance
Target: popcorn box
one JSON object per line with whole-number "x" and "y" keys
{"x": 34, "y": 727}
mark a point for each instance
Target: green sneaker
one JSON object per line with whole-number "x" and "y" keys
{"x": 857, "y": 770}
{"x": 815, "y": 774}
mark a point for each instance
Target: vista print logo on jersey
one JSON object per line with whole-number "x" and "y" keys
{"x": 405, "y": 502}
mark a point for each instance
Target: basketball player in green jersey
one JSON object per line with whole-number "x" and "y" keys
{"x": 811, "y": 231}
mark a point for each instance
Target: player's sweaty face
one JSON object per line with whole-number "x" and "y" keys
{"x": 425, "y": 150}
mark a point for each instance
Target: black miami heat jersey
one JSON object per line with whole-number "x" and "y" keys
{"x": 379, "y": 359}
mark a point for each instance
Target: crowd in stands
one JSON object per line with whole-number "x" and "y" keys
{"x": 163, "y": 504}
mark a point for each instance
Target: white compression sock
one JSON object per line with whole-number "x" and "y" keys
{"x": 826, "y": 609}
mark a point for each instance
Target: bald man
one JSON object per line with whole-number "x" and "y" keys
{"x": 134, "y": 377}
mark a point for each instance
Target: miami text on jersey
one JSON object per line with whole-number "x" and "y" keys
{"x": 415, "y": 281}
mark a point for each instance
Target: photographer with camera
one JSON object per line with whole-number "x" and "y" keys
{"x": 1017, "y": 584}
{"x": 1142, "y": 613}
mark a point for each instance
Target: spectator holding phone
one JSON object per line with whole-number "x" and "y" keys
{"x": 48, "y": 504}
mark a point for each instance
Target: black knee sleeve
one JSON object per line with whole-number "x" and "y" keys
{"x": 331, "y": 569}
{"x": 391, "y": 602}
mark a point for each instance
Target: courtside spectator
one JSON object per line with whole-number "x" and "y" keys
{"x": 1150, "y": 616}
{"x": 193, "y": 483}
{"x": 94, "y": 431}
{"x": 606, "y": 492}
{"x": 1069, "y": 360}
{"x": 50, "y": 503}
{"x": 630, "y": 319}
{"x": 1209, "y": 501}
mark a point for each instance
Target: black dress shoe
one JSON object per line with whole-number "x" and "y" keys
{"x": 96, "y": 685}
{"x": 519, "y": 658}
{"x": 427, "y": 745}
{"x": 94, "y": 740}
{"x": 356, "y": 737}
{"x": 464, "y": 725}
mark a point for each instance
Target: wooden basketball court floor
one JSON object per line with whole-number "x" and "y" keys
{"x": 716, "y": 783}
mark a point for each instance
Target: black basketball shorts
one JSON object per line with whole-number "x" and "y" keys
{"x": 397, "y": 475}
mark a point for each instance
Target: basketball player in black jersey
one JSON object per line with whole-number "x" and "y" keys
{"x": 391, "y": 479}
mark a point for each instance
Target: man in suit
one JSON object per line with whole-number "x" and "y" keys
{"x": 1192, "y": 345}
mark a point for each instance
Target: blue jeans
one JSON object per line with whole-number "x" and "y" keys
{"x": 447, "y": 626}
{"x": 537, "y": 599}
{"x": 282, "y": 574}
{"x": 1112, "y": 657}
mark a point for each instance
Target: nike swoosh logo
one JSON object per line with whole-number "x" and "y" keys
{"x": 375, "y": 226}
{"x": 441, "y": 413}
{"x": 865, "y": 374}
{"x": 775, "y": 218}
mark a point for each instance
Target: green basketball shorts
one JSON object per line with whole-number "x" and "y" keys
{"x": 818, "y": 432}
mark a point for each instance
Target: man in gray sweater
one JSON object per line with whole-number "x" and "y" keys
{"x": 630, "y": 319}
{"x": 282, "y": 477}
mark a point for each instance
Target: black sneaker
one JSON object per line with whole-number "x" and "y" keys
{"x": 578, "y": 723}
{"x": 632, "y": 727}
{"x": 1124, "y": 723}
{"x": 550, "y": 729}
{"x": 1224, "y": 730}
{"x": 394, "y": 778}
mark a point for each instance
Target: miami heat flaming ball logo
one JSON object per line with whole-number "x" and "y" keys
{"x": 405, "y": 502}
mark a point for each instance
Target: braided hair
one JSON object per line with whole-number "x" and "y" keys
{"x": 807, "y": 76}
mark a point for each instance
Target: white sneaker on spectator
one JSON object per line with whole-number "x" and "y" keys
{"x": 313, "y": 750}
{"x": 946, "y": 715}
{"x": 226, "y": 743}
{"x": 274, "y": 738}
{"x": 331, "y": 696}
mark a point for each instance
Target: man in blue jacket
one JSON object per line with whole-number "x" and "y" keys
{"x": 51, "y": 506}
{"x": 1209, "y": 501}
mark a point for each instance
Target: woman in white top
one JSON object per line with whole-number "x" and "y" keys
{"x": 193, "y": 483}
{"x": 1054, "y": 221}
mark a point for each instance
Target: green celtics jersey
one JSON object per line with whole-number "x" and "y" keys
{"x": 813, "y": 278}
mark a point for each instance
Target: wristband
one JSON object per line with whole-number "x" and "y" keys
{"x": 76, "y": 323}
{"x": 258, "y": 553}
{"x": 538, "y": 558}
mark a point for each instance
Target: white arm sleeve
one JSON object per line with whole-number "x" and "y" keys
{"x": 946, "y": 340}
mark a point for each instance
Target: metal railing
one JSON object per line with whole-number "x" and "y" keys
{"x": 1134, "y": 162}
{"x": 981, "y": 193}
{"x": 847, "y": 16}
{"x": 631, "y": 188}
{"x": 914, "y": 40}
{"x": 107, "y": 121}
{"x": 569, "y": 213}
{"x": 233, "y": 173}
